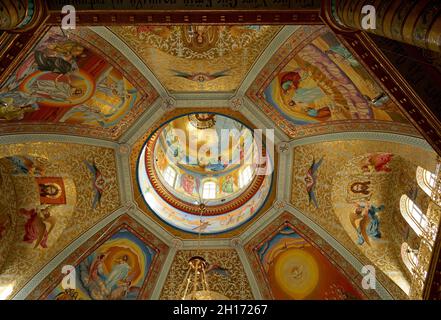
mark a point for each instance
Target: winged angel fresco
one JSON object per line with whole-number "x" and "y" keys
{"x": 364, "y": 220}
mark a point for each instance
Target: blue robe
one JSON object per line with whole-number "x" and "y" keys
{"x": 119, "y": 272}
{"x": 373, "y": 227}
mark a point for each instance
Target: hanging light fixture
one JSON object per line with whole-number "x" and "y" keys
{"x": 195, "y": 285}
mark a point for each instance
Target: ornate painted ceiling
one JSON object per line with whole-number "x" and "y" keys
{"x": 198, "y": 58}
{"x": 75, "y": 83}
{"x": 94, "y": 174}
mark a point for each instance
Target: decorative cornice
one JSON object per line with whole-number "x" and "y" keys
{"x": 236, "y": 103}
{"x": 124, "y": 179}
{"x": 50, "y": 137}
{"x": 163, "y": 274}
{"x": 208, "y": 101}
{"x": 177, "y": 243}
{"x": 152, "y": 226}
{"x": 236, "y": 242}
{"x": 363, "y": 135}
{"x": 168, "y": 104}
{"x": 196, "y": 96}
{"x": 192, "y": 16}
{"x": 284, "y": 179}
{"x": 123, "y": 149}
{"x": 144, "y": 123}
{"x": 249, "y": 272}
{"x": 260, "y": 120}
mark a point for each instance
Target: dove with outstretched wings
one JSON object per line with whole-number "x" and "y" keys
{"x": 200, "y": 76}
{"x": 311, "y": 180}
{"x": 98, "y": 183}
{"x": 217, "y": 269}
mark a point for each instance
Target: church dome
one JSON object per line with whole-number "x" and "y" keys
{"x": 202, "y": 172}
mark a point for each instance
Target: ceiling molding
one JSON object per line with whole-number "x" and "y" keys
{"x": 249, "y": 273}
{"x": 156, "y": 294}
{"x": 208, "y": 102}
{"x": 283, "y": 179}
{"x": 127, "y": 52}
{"x": 191, "y": 244}
{"x": 202, "y": 95}
{"x": 59, "y": 258}
{"x": 144, "y": 123}
{"x": 260, "y": 223}
{"x": 266, "y": 55}
{"x": 363, "y": 135}
{"x": 260, "y": 120}
{"x": 123, "y": 171}
{"x": 151, "y": 225}
{"x": 50, "y": 137}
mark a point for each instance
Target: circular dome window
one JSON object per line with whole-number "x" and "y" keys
{"x": 203, "y": 173}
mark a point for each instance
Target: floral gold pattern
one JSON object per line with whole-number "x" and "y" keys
{"x": 62, "y": 160}
{"x": 235, "y": 286}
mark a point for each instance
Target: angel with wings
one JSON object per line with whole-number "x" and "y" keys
{"x": 310, "y": 179}
{"x": 365, "y": 221}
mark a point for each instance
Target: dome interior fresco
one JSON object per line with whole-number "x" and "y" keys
{"x": 187, "y": 158}
{"x": 272, "y": 153}
{"x": 201, "y": 176}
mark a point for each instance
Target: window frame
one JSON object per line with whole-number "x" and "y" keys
{"x": 426, "y": 180}
{"x": 413, "y": 215}
{"x": 409, "y": 257}
{"x": 242, "y": 181}
{"x": 170, "y": 170}
{"x": 211, "y": 190}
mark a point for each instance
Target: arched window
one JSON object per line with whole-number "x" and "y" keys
{"x": 245, "y": 177}
{"x": 409, "y": 256}
{"x": 209, "y": 190}
{"x": 413, "y": 215}
{"x": 170, "y": 176}
{"x": 426, "y": 180}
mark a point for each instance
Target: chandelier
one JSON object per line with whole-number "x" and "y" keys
{"x": 195, "y": 285}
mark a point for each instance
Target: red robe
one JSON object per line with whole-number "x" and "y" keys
{"x": 94, "y": 268}
{"x": 31, "y": 228}
{"x": 188, "y": 184}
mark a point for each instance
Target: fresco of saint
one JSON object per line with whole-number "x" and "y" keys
{"x": 324, "y": 82}
{"x": 365, "y": 221}
{"x": 116, "y": 270}
{"x": 228, "y": 184}
{"x": 62, "y": 80}
{"x": 188, "y": 183}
